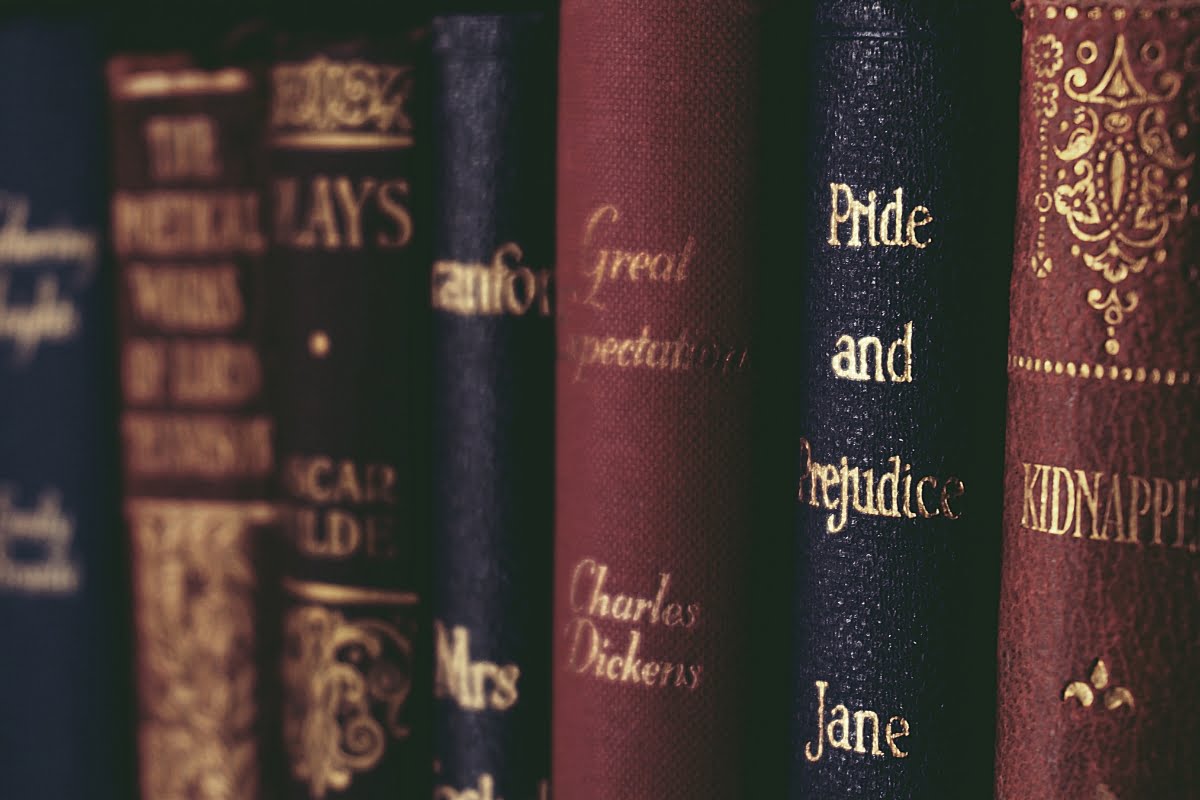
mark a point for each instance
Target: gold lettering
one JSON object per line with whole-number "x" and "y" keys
{"x": 214, "y": 373}
{"x": 1139, "y": 505}
{"x": 809, "y": 753}
{"x": 199, "y": 446}
{"x": 863, "y": 359}
{"x": 839, "y": 718}
{"x": 194, "y": 299}
{"x": 1061, "y": 476}
{"x": 1069, "y": 499}
{"x": 1089, "y": 498}
{"x": 329, "y": 212}
{"x": 884, "y": 230}
{"x": 1164, "y": 504}
{"x": 1029, "y": 513}
{"x": 473, "y": 685}
{"x": 182, "y": 147}
{"x": 859, "y": 718}
{"x": 891, "y": 736}
{"x": 898, "y": 491}
{"x": 604, "y": 264}
{"x": 186, "y": 223}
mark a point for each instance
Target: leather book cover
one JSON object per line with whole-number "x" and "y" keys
{"x": 656, "y": 175}
{"x": 64, "y": 685}
{"x": 349, "y": 269}
{"x": 196, "y": 438}
{"x": 1100, "y": 603}
{"x": 493, "y": 94}
{"x": 904, "y": 248}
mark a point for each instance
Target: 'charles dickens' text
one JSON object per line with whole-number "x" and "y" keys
{"x": 592, "y": 652}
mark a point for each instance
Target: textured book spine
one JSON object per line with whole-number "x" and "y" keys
{"x": 1100, "y": 603}
{"x": 349, "y": 271}
{"x": 656, "y": 152}
{"x": 197, "y": 454}
{"x": 62, "y": 691}
{"x": 493, "y": 389}
{"x": 907, "y": 209}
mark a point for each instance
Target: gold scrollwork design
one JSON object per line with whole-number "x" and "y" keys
{"x": 195, "y": 590}
{"x": 345, "y": 682}
{"x": 1121, "y": 181}
{"x": 326, "y": 103}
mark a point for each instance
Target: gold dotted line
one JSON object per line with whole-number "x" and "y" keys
{"x": 1118, "y": 12}
{"x": 1111, "y": 372}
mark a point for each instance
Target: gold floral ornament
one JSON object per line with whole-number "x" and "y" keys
{"x": 1046, "y": 56}
{"x": 1045, "y": 59}
{"x": 1122, "y": 181}
{"x": 1112, "y": 697}
{"x": 1045, "y": 98}
{"x": 346, "y": 683}
{"x": 195, "y": 584}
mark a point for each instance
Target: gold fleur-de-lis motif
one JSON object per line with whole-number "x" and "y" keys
{"x": 1111, "y": 697}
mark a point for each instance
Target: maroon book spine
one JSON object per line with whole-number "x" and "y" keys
{"x": 196, "y": 437}
{"x": 653, "y": 508}
{"x": 1100, "y": 600}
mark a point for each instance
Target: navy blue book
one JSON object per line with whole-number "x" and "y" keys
{"x": 493, "y": 401}
{"x": 906, "y": 208}
{"x": 63, "y": 693}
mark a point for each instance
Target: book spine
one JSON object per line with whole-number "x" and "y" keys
{"x": 493, "y": 390}
{"x": 1100, "y": 623}
{"x": 907, "y": 212}
{"x": 348, "y": 268}
{"x": 657, "y": 141}
{"x": 196, "y": 438}
{"x": 63, "y": 691}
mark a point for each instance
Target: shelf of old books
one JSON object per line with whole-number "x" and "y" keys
{"x": 619, "y": 400}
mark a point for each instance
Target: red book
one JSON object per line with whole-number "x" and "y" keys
{"x": 656, "y": 141}
{"x": 1100, "y": 602}
{"x": 197, "y": 451}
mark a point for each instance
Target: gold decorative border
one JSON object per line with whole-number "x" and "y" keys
{"x": 1110, "y": 372}
{"x": 1118, "y": 11}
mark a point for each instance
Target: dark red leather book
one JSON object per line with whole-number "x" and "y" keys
{"x": 197, "y": 450}
{"x": 656, "y": 146}
{"x": 349, "y": 268}
{"x": 1100, "y": 603}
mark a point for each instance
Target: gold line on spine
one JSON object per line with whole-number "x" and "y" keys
{"x": 163, "y": 84}
{"x": 341, "y": 141}
{"x": 332, "y": 594}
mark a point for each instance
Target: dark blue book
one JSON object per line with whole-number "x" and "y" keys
{"x": 905, "y": 237}
{"x": 63, "y": 681}
{"x": 493, "y": 400}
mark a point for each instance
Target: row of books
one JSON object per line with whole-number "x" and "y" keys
{"x": 631, "y": 399}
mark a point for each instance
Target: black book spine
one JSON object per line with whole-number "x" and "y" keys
{"x": 907, "y": 202}
{"x": 493, "y": 395}
{"x": 348, "y": 277}
{"x": 64, "y": 728}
